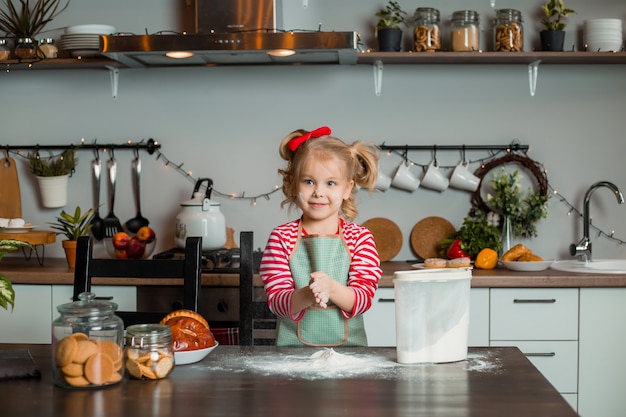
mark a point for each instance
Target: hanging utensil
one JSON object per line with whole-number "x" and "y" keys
{"x": 138, "y": 221}
{"x": 112, "y": 224}
{"x": 97, "y": 223}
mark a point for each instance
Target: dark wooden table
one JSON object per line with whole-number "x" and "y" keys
{"x": 270, "y": 381}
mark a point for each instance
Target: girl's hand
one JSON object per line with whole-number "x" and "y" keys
{"x": 321, "y": 286}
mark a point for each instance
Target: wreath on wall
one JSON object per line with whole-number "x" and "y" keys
{"x": 523, "y": 211}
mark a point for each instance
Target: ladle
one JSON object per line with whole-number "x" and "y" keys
{"x": 137, "y": 222}
{"x": 97, "y": 223}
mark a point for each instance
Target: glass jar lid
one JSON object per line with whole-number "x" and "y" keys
{"x": 87, "y": 306}
{"x": 148, "y": 335}
{"x": 426, "y": 13}
{"x": 46, "y": 41}
{"x": 465, "y": 16}
{"x": 509, "y": 14}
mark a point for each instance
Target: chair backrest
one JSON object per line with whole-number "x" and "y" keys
{"x": 188, "y": 268}
{"x": 257, "y": 324}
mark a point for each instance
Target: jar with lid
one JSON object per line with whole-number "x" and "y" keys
{"x": 5, "y": 52}
{"x": 87, "y": 344}
{"x": 509, "y": 31}
{"x": 25, "y": 48}
{"x": 464, "y": 31}
{"x": 148, "y": 352}
{"x": 47, "y": 49}
{"x": 426, "y": 31}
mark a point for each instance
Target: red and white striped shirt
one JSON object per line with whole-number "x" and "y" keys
{"x": 279, "y": 284}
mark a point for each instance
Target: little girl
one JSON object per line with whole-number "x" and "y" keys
{"x": 321, "y": 271}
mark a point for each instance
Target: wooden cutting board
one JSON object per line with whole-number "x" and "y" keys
{"x": 10, "y": 198}
{"x": 387, "y": 235}
{"x": 427, "y": 235}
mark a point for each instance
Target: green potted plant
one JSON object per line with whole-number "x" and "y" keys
{"x": 553, "y": 37}
{"x": 7, "y": 294}
{"x": 23, "y": 19}
{"x": 389, "y": 27}
{"x": 52, "y": 175}
{"x": 72, "y": 227}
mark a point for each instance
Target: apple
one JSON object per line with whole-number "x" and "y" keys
{"x": 136, "y": 248}
{"x": 120, "y": 240}
{"x": 146, "y": 234}
{"x": 121, "y": 253}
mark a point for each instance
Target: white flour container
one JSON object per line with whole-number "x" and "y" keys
{"x": 432, "y": 314}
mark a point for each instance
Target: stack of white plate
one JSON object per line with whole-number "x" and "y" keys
{"x": 603, "y": 35}
{"x": 84, "y": 40}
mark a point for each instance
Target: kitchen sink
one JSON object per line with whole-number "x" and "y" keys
{"x": 596, "y": 266}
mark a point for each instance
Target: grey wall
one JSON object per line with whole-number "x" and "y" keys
{"x": 226, "y": 122}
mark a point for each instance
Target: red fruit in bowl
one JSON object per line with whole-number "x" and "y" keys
{"x": 136, "y": 248}
{"x": 120, "y": 240}
{"x": 146, "y": 234}
{"x": 121, "y": 253}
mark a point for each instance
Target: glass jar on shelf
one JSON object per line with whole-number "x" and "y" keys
{"x": 5, "y": 52}
{"x": 87, "y": 344}
{"x": 25, "y": 48}
{"x": 465, "y": 31}
{"x": 509, "y": 31}
{"x": 426, "y": 31}
{"x": 47, "y": 49}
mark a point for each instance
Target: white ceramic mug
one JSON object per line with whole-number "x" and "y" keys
{"x": 463, "y": 179}
{"x": 383, "y": 181}
{"x": 404, "y": 179}
{"x": 434, "y": 179}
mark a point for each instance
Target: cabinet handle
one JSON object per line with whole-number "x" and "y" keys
{"x": 539, "y": 301}
{"x": 542, "y": 354}
{"x": 386, "y": 300}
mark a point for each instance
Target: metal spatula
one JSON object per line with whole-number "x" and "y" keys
{"x": 112, "y": 224}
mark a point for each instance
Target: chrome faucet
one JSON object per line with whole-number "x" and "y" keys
{"x": 583, "y": 248}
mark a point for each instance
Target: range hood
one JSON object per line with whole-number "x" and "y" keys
{"x": 239, "y": 48}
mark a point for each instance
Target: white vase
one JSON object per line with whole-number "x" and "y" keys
{"x": 506, "y": 235}
{"x": 53, "y": 191}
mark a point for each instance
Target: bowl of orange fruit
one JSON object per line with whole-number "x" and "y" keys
{"x": 125, "y": 245}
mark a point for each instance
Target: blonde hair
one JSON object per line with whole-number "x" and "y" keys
{"x": 359, "y": 159}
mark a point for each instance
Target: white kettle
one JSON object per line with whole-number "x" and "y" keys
{"x": 201, "y": 217}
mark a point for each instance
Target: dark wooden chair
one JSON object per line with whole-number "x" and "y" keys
{"x": 257, "y": 324}
{"x": 188, "y": 268}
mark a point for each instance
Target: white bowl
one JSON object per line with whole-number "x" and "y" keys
{"x": 91, "y": 29}
{"x": 192, "y": 356}
{"x": 527, "y": 266}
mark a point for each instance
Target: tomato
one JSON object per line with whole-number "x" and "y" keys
{"x": 486, "y": 259}
{"x": 455, "y": 251}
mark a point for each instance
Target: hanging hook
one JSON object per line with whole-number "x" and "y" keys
{"x": 6, "y": 151}
{"x": 435, "y": 155}
{"x": 463, "y": 154}
{"x": 96, "y": 153}
{"x": 136, "y": 152}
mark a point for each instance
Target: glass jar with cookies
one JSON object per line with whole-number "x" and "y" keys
{"x": 509, "y": 31}
{"x": 149, "y": 352}
{"x": 426, "y": 31}
{"x": 87, "y": 344}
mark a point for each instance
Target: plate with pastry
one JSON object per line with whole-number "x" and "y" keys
{"x": 440, "y": 263}
{"x": 192, "y": 339}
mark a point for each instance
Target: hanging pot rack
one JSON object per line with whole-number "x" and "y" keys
{"x": 513, "y": 147}
{"x": 150, "y": 146}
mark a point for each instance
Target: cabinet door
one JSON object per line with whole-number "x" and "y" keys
{"x": 31, "y": 320}
{"x": 534, "y": 314}
{"x": 380, "y": 319}
{"x": 602, "y": 363}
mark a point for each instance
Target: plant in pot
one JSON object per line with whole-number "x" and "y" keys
{"x": 7, "y": 294}
{"x": 23, "y": 19}
{"x": 52, "y": 175}
{"x": 553, "y": 38}
{"x": 388, "y": 28}
{"x": 72, "y": 227}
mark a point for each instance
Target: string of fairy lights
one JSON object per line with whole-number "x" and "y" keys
{"x": 252, "y": 199}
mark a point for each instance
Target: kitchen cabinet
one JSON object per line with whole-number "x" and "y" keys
{"x": 543, "y": 323}
{"x": 602, "y": 364}
{"x": 380, "y": 319}
{"x": 35, "y": 309}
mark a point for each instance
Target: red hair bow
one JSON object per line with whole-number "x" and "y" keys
{"x": 317, "y": 133}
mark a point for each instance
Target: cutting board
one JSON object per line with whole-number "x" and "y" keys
{"x": 10, "y": 198}
{"x": 387, "y": 236}
{"x": 427, "y": 235}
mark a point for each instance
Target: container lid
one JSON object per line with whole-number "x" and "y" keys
{"x": 433, "y": 275}
{"x": 147, "y": 335}
{"x": 88, "y": 306}
{"x": 199, "y": 200}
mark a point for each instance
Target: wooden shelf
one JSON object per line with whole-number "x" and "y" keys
{"x": 491, "y": 58}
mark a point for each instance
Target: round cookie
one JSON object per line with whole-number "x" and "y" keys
{"x": 66, "y": 351}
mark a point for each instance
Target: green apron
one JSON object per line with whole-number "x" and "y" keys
{"x": 321, "y": 326}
